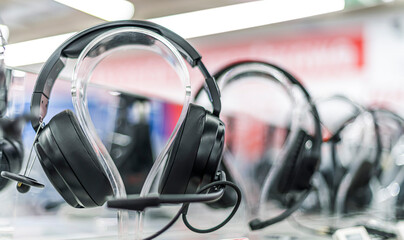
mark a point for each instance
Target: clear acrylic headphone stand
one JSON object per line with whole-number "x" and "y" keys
{"x": 121, "y": 39}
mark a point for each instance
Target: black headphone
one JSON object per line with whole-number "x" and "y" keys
{"x": 302, "y": 160}
{"x": 355, "y": 179}
{"x": 11, "y": 148}
{"x": 71, "y": 164}
{"x": 67, "y": 157}
{"x": 381, "y": 115}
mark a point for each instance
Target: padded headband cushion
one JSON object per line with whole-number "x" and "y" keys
{"x": 70, "y": 162}
{"x": 181, "y": 159}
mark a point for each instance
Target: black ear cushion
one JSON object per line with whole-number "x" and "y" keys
{"x": 293, "y": 164}
{"x": 215, "y": 157}
{"x": 12, "y": 154}
{"x": 46, "y": 151}
{"x": 62, "y": 145}
{"x": 206, "y": 164}
{"x": 178, "y": 170}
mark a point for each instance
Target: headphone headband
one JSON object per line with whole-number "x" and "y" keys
{"x": 389, "y": 112}
{"x": 74, "y": 46}
{"x": 317, "y": 136}
{"x": 359, "y": 110}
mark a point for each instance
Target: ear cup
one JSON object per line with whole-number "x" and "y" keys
{"x": 12, "y": 154}
{"x": 182, "y": 159}
{"x": 300, "y": 165}
{"x": 70, "y": 162}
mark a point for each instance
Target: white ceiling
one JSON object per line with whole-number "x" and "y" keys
{"x": 31, "y": 19}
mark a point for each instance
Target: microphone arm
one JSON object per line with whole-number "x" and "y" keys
{"x": 141, "y": 203}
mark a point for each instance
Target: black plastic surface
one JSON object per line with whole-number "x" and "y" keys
{"x": 134, "y": 204}
{"x": 22, "y": 179}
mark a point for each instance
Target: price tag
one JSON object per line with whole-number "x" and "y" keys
{"x": 235, "y": 239}
{"x": 353, "y": 233}
{"x": 400, "y": 230}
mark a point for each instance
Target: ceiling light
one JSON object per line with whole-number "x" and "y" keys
{"x": 192, "y": 24}
{"x": 109, "y": 10}
{"x": 245, "y": 15}
{"x": 34, "y": 51}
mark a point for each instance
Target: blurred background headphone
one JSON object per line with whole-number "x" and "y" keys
{"x": 11, "y": 148}
{"x": 349, "y": 178}
{"x": 391, "y": 131}
{"x": 350, "y": 185}
{"x": 131, "y": 143}
{"x": 72, "y": 166}
{"x": 391, "y": 176}
{"x": 303, "y": 156}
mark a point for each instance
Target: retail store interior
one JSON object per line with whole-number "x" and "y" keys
{"x": 123, "y": 119}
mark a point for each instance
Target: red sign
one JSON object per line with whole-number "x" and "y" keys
{"x": 315, "y": 56}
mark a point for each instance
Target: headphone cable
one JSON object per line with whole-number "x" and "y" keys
{"x": 257, "y": 224}
{"x": 184, "y": 210}
{"x": 233, "y": 212}
{"x": 167, "y": 226}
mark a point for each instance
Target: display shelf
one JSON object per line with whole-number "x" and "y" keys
{"x": 65, "y": 228}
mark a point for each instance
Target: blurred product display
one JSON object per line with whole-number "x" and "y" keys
{"x": 131, "y": 147}
{"x": 251, "y": 119}
{"x": 292, "y": 172}
{"x": 355, "y": 155}
{"x": 391, "y": 128}
{"x": 12, "y": 150}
